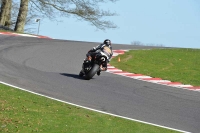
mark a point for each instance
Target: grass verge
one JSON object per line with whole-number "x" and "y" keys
{"x": 178, "y": 65}
{"x": 1, "y": 30}
{"x": 24, "y": 112}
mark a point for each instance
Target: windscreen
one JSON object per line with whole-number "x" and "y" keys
{"x": 107, "y": 51}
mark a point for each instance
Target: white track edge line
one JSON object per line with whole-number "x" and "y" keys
{"x": 94, "y": 109}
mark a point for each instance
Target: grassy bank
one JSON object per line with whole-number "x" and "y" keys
{"x": 2, "y": 30}
{"x": 24, "y": 112}
{"x": 180, "y": 65}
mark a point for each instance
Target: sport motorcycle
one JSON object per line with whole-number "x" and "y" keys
{"x": 90, "y": 68}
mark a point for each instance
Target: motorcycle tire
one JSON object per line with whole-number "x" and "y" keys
{"x": 80, "y": 74}
{"x": 92, "y": 72}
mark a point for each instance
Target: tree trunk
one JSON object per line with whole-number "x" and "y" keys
{"x": 5, "y": 15}
{"x": 8, "y": 14}
{"x": 3, "y": 11}
{"x": 21, "y": 19}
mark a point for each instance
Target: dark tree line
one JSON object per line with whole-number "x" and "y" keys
{"x": 17, "y": 14}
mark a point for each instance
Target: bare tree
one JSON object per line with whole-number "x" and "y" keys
{"x": 84, "y": 10}
{"x": 5, "y": 14}
{"x": 138, "y": 43}
{"x": 30, "y": 16}
{"x": 21, "y": 19}
{"x": 8, "y": 21}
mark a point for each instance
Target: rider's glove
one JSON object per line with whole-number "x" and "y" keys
{"x": 103, "y": 68}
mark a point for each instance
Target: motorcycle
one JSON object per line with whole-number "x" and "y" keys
{"x": 90, "y": 68}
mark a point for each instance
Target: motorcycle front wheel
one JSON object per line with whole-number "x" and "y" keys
{"x": 92, "y": 72}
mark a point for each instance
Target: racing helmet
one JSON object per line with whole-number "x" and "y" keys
{"x": 107, "y": 42}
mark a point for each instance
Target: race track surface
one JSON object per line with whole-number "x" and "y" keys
{"x": 51, "y": 67}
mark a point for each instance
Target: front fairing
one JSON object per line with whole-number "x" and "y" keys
{"x": 87, "y": 67}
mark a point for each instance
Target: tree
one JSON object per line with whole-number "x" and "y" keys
{"x": 5, "y": 15}
{"x": 21, "y": 19}
{"x": 84, "y": 10}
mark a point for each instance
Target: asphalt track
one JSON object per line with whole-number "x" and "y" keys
{"x": 51, "y": 67}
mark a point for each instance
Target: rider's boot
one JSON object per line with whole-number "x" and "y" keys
{"x": 98, "y": 72}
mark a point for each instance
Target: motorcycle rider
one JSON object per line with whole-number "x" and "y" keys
{"x": 91, "y": 53}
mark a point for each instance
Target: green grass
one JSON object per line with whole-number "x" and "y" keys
{"x": 178, "y": 65}
{"x": 12, "y": 31}
{"x": 23, "y": 112}
{"x": 1, "y": 30}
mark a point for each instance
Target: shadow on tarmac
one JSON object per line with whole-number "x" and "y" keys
{"x": 76, "y": 76}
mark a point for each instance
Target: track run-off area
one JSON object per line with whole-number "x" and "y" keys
{"x": 50, "y": 67}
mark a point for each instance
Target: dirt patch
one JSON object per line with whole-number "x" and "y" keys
{"x": 128, "y": 58}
